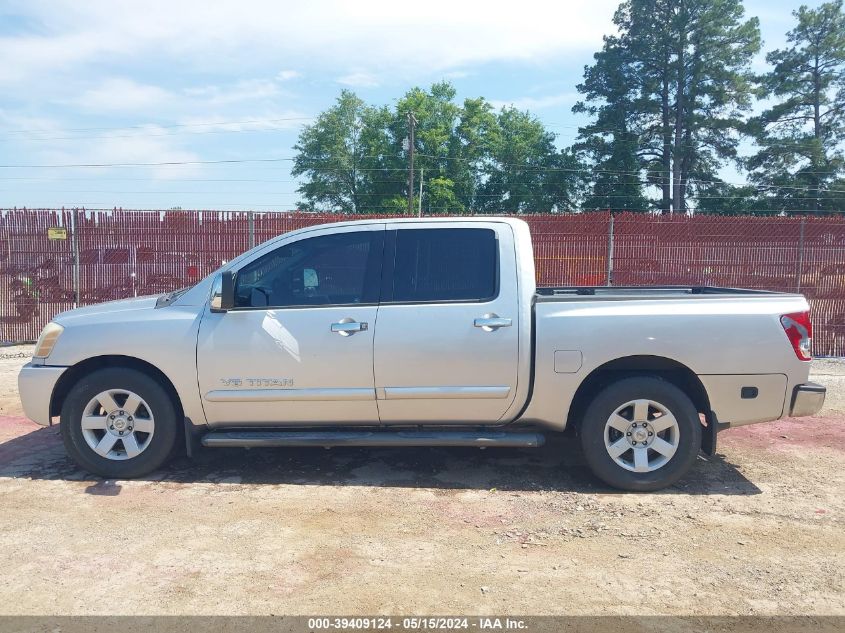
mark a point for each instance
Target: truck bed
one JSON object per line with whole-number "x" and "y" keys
{"x": 553, "y": 293}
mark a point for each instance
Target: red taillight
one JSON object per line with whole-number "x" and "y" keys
{"x": 799, "y": 330}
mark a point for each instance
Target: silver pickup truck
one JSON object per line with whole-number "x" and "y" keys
{"x": 426, "y": 332}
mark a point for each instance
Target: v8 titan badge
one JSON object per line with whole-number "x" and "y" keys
{"x": 257, "y": 382}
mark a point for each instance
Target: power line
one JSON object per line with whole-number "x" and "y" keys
{"x": 518, "y": 166}
{"x": 161, "y": 164}
{"x": 178, "y": 126}
{"x": 167, "y": 126}
{"x": 274, "y": 208}
{"x": 99, "y": 179}
{"x": 368, "y": 195}
{"x": 169, "y": 134}
{"x": 589, "y": 170}
{"x": 43, "y": 180}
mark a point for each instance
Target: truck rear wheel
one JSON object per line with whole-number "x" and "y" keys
{"x": 118, "y": 423}
{"x": 640, "y": 434}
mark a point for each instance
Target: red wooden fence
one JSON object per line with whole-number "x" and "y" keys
{"x": 124, "y": 253}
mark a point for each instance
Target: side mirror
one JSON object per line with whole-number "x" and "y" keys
{"x": 223, "y": 298}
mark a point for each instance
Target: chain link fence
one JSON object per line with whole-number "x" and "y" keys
{"x": 54, "y": 259}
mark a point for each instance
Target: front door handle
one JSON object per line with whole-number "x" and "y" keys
{"x": 348, "y": 327}
{"x": 492, "y": 322}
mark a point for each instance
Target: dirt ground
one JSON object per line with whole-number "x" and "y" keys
{"x": 756, "y": 530}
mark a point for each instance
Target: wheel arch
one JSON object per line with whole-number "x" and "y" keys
{"x": 668, "y": 369}
{"x": 75, "y": 372}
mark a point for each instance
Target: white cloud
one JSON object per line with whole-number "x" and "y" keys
{"x": 125, "y": 96}
{"x": 245, "y": 90}
{"x": 18, "y": 125}
{"x": 358, "y": 80}
{"x": 268, "y": 120}
{"x": 288, "y": 75}
{"x": 537, "y": 103}
{"x": 36, "y": 57}
{"x": 143, "y": 148}
{"x": 109, "y": 63}
{"x": 122, "y": 95}
{"x": 384, "y": 37}
{"x": 146, "y": 144}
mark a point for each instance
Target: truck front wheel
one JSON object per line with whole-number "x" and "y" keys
{"x": 640, "y": 434}
{"x": 118, "y": 423}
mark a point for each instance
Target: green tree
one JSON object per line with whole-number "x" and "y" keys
{"x": 524, "y": 171}
{"x": 442, "y": 197}
{"x": 728, "y": 199}
{"x": 678, "y": 78}
{"x": 472, "y": 146}
{"x": 611, "y": 141}
{"x": 470, "y": 158}
{"x": 347, "y": 158}
{"x": 437, "y": 155}
{"x": 800, "y": 136}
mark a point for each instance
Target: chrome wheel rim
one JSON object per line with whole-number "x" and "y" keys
{"x": 641, "y": 436}
{"x": 118, "y": 424}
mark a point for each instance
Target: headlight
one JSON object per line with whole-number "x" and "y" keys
{"x": 49, "y": 335}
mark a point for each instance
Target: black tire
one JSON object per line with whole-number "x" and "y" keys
{"x": 607, "y": 401}
{"x": 161, "y": 444}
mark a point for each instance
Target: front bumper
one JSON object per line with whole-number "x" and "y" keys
{"x": 35, "y": 386}
{"x": 807, "y": 399}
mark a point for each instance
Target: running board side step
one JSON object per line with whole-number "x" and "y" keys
{"x": 270, "y": 438}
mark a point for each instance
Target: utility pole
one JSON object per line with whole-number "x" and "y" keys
{"x": 419, "y": 199}
{"x": 412, "y": 122}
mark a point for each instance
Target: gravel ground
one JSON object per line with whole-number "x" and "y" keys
{"x": 756, "y": 530}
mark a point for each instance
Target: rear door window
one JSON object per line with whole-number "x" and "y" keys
{"x": 444, "y": 265}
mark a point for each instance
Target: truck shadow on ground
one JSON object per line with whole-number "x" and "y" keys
{"x": 557, "y": 466}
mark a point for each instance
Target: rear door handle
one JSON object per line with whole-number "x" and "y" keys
{"x": 491, "y": 322}
{"x": 348, "y": 327}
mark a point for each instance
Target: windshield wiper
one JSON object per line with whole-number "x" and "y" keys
{"x": 170, "y": 297}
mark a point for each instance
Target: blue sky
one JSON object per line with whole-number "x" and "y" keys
{"x": 117, "y": 82}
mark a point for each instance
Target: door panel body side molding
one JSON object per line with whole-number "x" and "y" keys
{"x": 282, "y": 395}
{"x": 436, "y": 393}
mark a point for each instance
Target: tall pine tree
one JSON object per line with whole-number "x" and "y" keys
{"x": 668, "y": 93}
{"x": 612, "y": 141}
{"x": 800, "y": 162}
